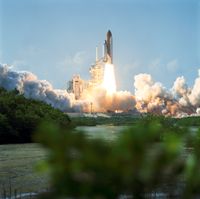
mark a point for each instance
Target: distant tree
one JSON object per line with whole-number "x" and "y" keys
{"x": 20, "y": 117}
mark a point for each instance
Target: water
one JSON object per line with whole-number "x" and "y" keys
{"x": 106, "y": 132}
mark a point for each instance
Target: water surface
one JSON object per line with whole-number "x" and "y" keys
{"x": 106, "y": 132}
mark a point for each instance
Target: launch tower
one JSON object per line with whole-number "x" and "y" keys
{"x": 78, "y": 85}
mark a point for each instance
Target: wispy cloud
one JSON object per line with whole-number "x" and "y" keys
{"x": 173, "y": 65}
{"x": 78, "y": 58}
{"x": 159, "y": 65}
{"x": 155, "y": 64}
{"x": 69, "y": 65}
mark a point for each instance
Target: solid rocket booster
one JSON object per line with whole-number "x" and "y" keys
{"x": 108, "y": 48}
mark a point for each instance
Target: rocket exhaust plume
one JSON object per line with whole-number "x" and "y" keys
{"x": 109, "y": 83}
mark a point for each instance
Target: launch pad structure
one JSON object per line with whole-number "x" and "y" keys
{"x": 77, "y": 85}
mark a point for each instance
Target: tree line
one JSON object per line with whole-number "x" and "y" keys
{"x": 20, "y": 117}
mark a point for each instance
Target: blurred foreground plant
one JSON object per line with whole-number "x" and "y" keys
{"x": 149, "y": 157}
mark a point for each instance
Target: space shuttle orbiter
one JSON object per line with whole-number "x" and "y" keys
{"x": 108, "y": 48}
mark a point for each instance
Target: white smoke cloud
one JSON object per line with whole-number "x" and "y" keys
{"x": 180, "y": 91}
{"x": 28, "y": 84}
{"x": 146, "y": 89}
{"x": 180, "y": 87}
{"x": 101, "y": 101}
{"x": 150, "y": 96}
{"x": 10, "y": 79}
{"x": 187, "y": 97}
{"x": 194, "y": 97}
{"x": 123, "y": 100}
{"x": 198, "y": 111}
{"x": 153, "y": 97}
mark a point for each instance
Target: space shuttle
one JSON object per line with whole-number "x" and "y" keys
{"x": 108, "y": 48}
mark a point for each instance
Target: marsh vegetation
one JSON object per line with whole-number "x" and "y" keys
{"x": 152, "y": 157}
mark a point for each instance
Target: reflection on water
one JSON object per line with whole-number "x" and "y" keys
{"x": 106, "y": 132}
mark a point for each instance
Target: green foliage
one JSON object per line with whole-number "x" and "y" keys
{"x": 19, "y": 117}
{"x": 149, "y": 156}
{"x": 189, "y": 121}
{"x": 113, "y": 120}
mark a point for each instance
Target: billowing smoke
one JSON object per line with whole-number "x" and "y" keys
{"x": 179, "y": 101}
{"x": 28, "y": 85}
{"x": 101, "y": 101}
{"x": 194, "y": 96}
{"x": 147, "y": 90}
{"x": 150, "y": 96}
{"x": 180, "y": 91}
{"x": 153, "y": 97}
{"x": 187, "y": 97}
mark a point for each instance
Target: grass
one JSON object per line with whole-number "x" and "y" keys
{"x": 18, "y": 169}
{"x": 18, "y": 161}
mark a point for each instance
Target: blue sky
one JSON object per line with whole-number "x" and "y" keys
{"x": 57, "y": 38}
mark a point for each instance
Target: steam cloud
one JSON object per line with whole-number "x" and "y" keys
{"x": 102, "y": 102}
{"x": 179, "y": 101}
{"x": 188, "y": 97}
{"x": 28, "y": 85}
{"x": 150, "y": 96}
{"x": 153, "y": 97}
